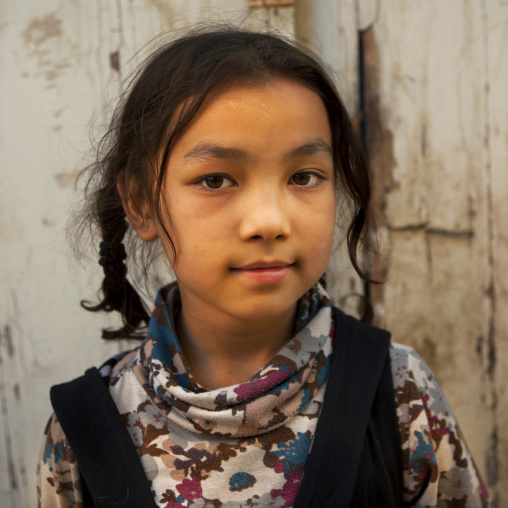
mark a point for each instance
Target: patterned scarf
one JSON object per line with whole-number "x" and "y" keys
{"x": 280, "y": 390}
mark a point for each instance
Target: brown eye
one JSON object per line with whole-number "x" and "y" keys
{"x": 214, "y": 181}
{"x": 302, "y": 178}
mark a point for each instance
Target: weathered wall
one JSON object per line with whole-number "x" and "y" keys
{"x": 436, "y": 76}
{"x": 437, "y": 133}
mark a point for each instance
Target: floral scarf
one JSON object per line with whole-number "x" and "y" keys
{"x": 277, "y": 392}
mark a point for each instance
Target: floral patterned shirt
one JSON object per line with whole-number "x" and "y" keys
{"x": 247, "y": 444}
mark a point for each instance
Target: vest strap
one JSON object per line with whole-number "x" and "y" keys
{"x": 107, "y": 458}
{"x": 360, "y": 353}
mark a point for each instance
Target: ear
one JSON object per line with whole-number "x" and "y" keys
{"x": 138, "y": 211}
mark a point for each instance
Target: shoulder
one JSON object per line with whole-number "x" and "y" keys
{"x": 408, "y": 366}
{"x": 58, "y": 477}
{"x": 418, "y": 395}
{"x": 420, "y": 401}
{"x": 113, "y": 366}
{"x": 56, "y": 447}
{"x": 439, "y": 468}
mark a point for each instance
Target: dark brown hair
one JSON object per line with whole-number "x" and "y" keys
{"x": 161, "y": 100}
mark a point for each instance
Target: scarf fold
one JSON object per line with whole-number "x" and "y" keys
{"x": 281, "y": 389}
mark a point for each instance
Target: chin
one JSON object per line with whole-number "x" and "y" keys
{"x": 266, "y": 308}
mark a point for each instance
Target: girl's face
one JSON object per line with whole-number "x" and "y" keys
{"x": 250, "y": 201}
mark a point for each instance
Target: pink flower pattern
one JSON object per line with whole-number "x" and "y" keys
{"x": 190, "y": 489}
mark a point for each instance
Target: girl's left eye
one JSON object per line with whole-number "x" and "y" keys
{"x": 215, "y": 182}
{"x": 306, "y": 179}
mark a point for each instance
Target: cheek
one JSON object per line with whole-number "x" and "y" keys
{"x": 325, "y": 234}
{"x": 187, "y": 225}
{"x": 325, "y": 216}
{"x": 318, "y": 231}
{"x": 198, "y": 241}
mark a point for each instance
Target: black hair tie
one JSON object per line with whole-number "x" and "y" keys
{"x": 111, "y": 258}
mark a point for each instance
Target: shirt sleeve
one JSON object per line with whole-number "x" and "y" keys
{"x": 58, "y": 477}
{"x": 439, "y": 470}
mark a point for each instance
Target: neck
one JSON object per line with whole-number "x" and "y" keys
{"x": 223, "y": 352}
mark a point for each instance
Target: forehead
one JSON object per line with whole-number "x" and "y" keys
{"x": 266, "y": 116}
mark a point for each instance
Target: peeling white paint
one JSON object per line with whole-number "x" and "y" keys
{"x": 439, "y": 151}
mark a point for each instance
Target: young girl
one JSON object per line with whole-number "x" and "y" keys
{"x": 234, "y": 150}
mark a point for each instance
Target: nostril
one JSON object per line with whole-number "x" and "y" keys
{"x": 262, "y": 237}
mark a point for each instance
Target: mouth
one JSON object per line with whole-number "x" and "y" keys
{"x": 264, "y": 265}
{"x": 264, "y": 273}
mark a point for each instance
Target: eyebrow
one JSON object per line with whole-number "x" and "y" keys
{"x": 206, "y": 152}
{"x": 319, "y": 147}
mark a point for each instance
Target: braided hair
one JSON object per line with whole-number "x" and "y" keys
{"x": 118, "y": 293}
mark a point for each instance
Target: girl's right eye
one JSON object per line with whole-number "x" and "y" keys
{"x": 215, "y": 182}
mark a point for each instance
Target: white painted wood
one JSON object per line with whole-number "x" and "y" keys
{"x": 495, "y": 16}
{"x": 329, "y": 28}
{"x": 436, "y": 80}
{"x": 278, "y": 19}
{"x": 367, "y": 12}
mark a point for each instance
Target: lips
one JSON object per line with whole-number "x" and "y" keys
{"x": 264, "y": 273}
{"x": 264, "y": 265}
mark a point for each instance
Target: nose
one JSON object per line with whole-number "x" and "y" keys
{"x": 265, "y": 216}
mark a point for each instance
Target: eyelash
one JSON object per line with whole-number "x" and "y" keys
{"x": 312, "y": 174}
{"x": 201, "y": 183}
